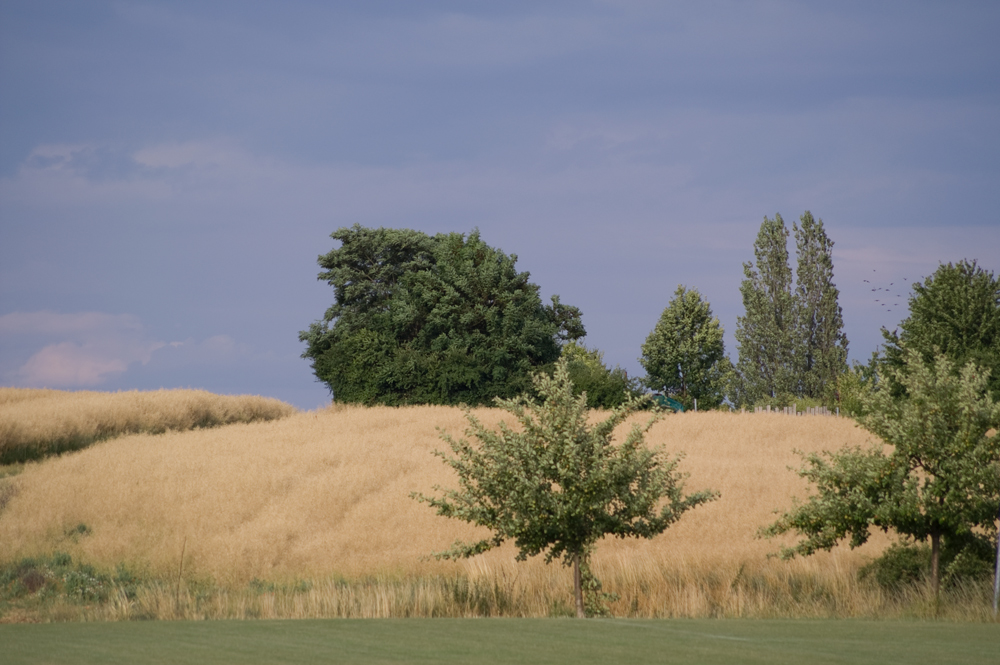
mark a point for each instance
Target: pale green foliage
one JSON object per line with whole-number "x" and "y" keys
{"x": 595, "y": 599}
{"x": 821, "y": 352}
{"x": 939, "y": 478}
{"x": 683, "y": 355}
{"x": 556, "y": 485}
{"x": 765, "y": 334}
{"x": 854, "y": 388}
{"x": 574, "y": 351}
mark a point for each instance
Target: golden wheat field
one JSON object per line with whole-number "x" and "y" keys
{"x": 326, "y": 495}
{"x": 34, "y": 423}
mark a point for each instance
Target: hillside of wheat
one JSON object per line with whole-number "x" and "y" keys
{"x": 35, "y": 423}
{"x": 327, "y": 493}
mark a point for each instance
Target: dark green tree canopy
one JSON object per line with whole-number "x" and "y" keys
{"x": 421, "y": 319}
{"x": 683, "y": 355}
{"x": 955, "y": 311}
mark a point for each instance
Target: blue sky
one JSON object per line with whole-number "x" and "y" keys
{"x": 169, "y": 172}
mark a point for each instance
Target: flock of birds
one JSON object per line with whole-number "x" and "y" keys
{"x": 889, "y": 298}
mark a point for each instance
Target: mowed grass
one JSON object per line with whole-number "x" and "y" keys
{"x": 554, "y": 641}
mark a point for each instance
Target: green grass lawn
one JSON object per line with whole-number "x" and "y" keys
{"x": 504, "y": 641}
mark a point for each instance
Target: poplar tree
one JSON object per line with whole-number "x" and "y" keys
{"x": 683, "y": 354}
{"x": 765, "y": 335}
{"x": 821, "y": 356}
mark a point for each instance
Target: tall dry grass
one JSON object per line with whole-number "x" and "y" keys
{"x": 11, "y": 395}
{"x": 35, "y": 423}
{"x": 324, "y": 496}
{"x": 462, "y": 597}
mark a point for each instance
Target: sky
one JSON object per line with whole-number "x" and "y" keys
{"x": 170, "y": 171}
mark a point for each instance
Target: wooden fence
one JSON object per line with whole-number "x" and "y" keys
{"x": 794, "y": 410}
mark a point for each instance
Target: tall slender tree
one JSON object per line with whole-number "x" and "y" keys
{"x": 821, "y": 355}
{"x": 765, "y": 334}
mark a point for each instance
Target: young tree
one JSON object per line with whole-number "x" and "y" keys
{"x": 940, "y": 480}
{"x": 955, "y": 311}
{"x": 441, "y": 320}
{"x": 822, "y": 344}
{"x": 683, "y": 354}
{"x": 765, "y": 335}
{"x": 557, "y": 485}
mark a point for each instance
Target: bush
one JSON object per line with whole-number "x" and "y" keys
{"x": 967, "y": 558}
{"x": 606, "y": 388}
{"x": 899, "y": 566}
{"x": 55, "y": 576}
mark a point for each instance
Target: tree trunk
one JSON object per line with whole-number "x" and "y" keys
{"x": 935, "y": 568}
{"x": 578, "y": 588}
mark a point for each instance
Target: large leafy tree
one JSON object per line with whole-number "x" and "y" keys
{"x": 683, "y": 355}
{"x": 766, "y": 333}
{"x": 420, "y": 319}
{"x": 955, "y": 311}
{"x": 555, "y": 485}
{"x": 938, "y": 479}
{"x": 822, "y": 345}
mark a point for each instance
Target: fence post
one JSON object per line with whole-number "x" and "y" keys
{"x": 996, "y": 578}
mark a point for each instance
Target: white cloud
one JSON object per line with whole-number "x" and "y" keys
{"x": 70, "y": 365}
{"x": 80, "y": 349}
{"x": 87, "y": 349}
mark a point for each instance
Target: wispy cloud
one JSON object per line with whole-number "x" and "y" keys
{"x": 70, "y": 365}
{"x": 79, "y": 350}
{"x": 88, "y": 349}
{"x": 48, "y": 349}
